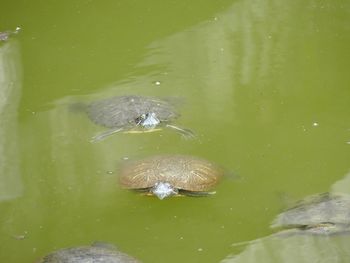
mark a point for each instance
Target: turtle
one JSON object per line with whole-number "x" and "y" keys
{"x": 170, "y": 175}
{"x": 325, "y": 213}
{"x": 131, "y": 113}
{"x": 4, "y": 36}
{"x": 95, "y": 253}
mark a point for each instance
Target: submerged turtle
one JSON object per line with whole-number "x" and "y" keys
{"x": 167, "y": 175}
{"x": 4, "y": 36}
{"x": 96, "y": 253}
{"x": 133, "y": 113}
{"x": 325, "y": 213}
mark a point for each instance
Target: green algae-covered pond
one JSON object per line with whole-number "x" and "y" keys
{"x": 264, "y": 85}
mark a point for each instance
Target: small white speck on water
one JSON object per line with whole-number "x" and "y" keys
{"x": 315, "y": 124}
{"x": 157, "y": 83}
{"x": 200, "y": 249}
{"x": 348, "y": 142}
{"x": 181, "y": 238}
{"x": 109, "y": 172}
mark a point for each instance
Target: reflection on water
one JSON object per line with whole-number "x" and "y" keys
{"x": 10, "y": 90}
{"x": 237, "y": 49}
{"x": 343, "y": 185}
{"x": 296, "y": 248}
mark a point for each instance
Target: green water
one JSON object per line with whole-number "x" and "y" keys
{"x": 264, "y": 84}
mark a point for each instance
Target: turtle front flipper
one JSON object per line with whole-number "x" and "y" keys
{"x": 195, "y": 193}
{"x": 103, "y": 135}
{"x": 186, "y": 133}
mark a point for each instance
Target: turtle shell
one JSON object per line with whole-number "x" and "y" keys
{"x": 316, "y": 210}
{"x": 182, "y": 172}
{"x": 94, "y": 253}
{"x": 123, "y": 111}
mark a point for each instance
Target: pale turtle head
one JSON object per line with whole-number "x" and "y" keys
{"x": 163, "y": 190}
{"x": 148, "y": 120}
{"x": 4, "y": 36}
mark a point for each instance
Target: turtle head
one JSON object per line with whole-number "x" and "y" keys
{"x": 148, "y": 120}
{"x": 163, "y": 189}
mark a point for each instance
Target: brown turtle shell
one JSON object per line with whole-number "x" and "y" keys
{"x": 181, "y": 171}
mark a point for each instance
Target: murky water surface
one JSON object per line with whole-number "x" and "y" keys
{"x": 264, "y": 84}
